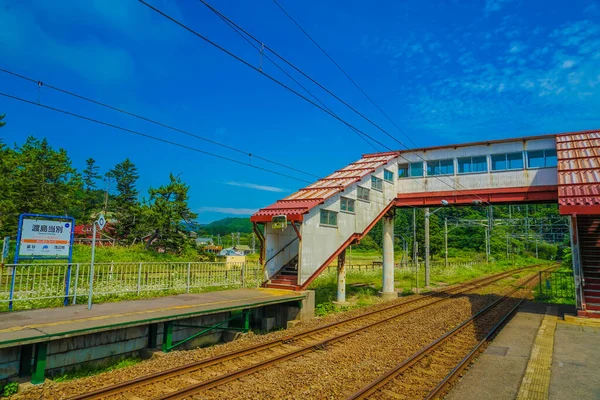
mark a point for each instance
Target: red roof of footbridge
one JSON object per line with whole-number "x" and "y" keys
{"x": 579, "y": 172}
{"x": 297, "y": 204}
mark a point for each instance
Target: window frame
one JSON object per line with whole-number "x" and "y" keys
{"x": 375, "y": 180}
{"x": 410, "y": 169}
{"x": 367, "y": 190}
{"x": 545, "y": 156}
{"x": 507, "y": 161}
{"x": 329, "y": 213}
{"x": 348, "y": 200}
{"x": 387, "y": 171}
{"x": 439, "y": 166}
{"x": 407, "y": 169}
{"x": 471, "y": 163}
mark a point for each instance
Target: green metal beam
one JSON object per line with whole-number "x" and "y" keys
{"x": 167, "y": 336}
{"x": 39, "y": 363}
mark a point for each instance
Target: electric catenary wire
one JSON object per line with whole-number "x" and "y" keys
{"x": 263, "y": 46}
{"x": 362, "y": 91}
{"x": 114, "y": 126}
{"x": 236, "y": 30}
{"x": 344, "y": 72}
{"x": 246, "y": 63}
{"x": 105, "y": 105}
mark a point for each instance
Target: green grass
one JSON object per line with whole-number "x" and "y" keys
{"x": 91, "y": 371}
{"x": 363, "y": 286}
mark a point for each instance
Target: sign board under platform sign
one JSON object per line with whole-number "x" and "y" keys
{"x": 279, "y": 222}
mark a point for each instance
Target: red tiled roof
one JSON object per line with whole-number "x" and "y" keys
{"x": 299, "y": 203}
{"x": 578, "y": 169}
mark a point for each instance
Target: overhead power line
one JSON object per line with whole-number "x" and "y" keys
{"x": 266, "y": 47}
{"x": 121, "y": 128}
{"x": 233, "y": 25}
{"x": 246, "y": 63}
{"x": 344, "y": 72}
{"x": 236, "y": 30}
{"x": 155, "y": 122}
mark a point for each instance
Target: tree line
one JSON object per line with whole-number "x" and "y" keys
{"x": 36, "y": 178}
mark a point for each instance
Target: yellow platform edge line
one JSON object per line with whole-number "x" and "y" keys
{"x": 536, "y": 381}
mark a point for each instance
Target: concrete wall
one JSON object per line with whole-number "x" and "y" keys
{"x": 9, "y": 362}
{"x": 320, "y": 242}
{"x": 480, "y": 180}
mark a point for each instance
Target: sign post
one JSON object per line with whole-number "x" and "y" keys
{"x": 43, "y": 237}
{"x": 101, "y": 222}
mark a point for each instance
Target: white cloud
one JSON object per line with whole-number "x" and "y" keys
{"x": 255, "y": 186}
{"x": 494, "y": 5}
{"x": 228, "y": 210}
{"x": 567, "y": 64}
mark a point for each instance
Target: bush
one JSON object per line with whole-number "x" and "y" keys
{"x": 10, "y": 389}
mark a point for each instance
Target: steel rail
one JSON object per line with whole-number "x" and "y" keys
{"x": 236, "y": 374}
{"x": 190, "y": 367}
{"x": 391, "y": 374}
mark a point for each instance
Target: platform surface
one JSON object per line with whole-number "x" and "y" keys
{"x": 31, "y": 326}
{"x": 502, "y": 369}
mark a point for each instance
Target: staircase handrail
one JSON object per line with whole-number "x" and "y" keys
{"x": 282, "y": 249}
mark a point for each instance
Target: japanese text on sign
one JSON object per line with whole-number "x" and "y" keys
{"x": 45, "y": 238}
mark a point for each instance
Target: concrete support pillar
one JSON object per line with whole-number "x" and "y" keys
{"x": 341, "y": 277}
{"x": 388, "y": 256}
{"x": 427, "y": 266}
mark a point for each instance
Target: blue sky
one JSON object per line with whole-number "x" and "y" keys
{"x": 446, "y": 73}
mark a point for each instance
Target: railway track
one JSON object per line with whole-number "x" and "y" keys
{"x": 444, "y": 359}
{"x": 199, "y": 376}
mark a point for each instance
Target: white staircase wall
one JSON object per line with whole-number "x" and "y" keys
{"x": 276, "y": 240}
{"x": 320, "y": 242}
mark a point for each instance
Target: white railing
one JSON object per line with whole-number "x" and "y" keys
{"x": 27, "y": 286}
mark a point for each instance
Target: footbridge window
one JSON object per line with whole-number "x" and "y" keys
{"x": 507, "y": 161}
{"x": 376, "y": 183}
{"x": 347, "y": 205}
{"x": 469, "y": 165}
{"x": 362, "y": 193}
{"x": 541, "y": 158}
{"x": 388, "y": 175}
{"x": 440, "y": 167}
{"x": 412, "y": 170}
{"x": 328, "y": 218}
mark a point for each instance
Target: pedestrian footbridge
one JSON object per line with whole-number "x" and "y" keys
{"x": 326, "y": 217}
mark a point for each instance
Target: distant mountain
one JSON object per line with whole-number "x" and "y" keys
{"x": 226, "y": 226}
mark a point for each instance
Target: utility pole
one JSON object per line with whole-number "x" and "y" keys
{"x": 536, "y": 248}
{"x": 487, "y": 247}
{"x": 446, "y": 240}
{"x": 427, "y": 247}
{"x": 415, "y": 249}
{"x": 253, "y": 243}
{"x": 507, "y": 246}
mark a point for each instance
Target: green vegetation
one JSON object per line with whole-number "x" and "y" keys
{"x": 9, "y": 389}
{"x": 35, "y": 178}
{"x": 363, "y": 286}
{"x": 91, "y": 371}
{"x": 226, "y": 226}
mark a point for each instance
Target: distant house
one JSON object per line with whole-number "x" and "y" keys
{"x": 204, "y": 242}
{"x": 243, "y": 248}
{"x": 231, "y": 251}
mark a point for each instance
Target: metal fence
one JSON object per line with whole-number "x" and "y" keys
{"x": 27, "y": 286}
{"x": 556, "y": 285}
{"x": 437, "y": 266}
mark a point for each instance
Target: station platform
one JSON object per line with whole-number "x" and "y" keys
{"x": 31, "y": 326}
{"x": 544, "y": 352}
{"x": 39, "y": 343}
